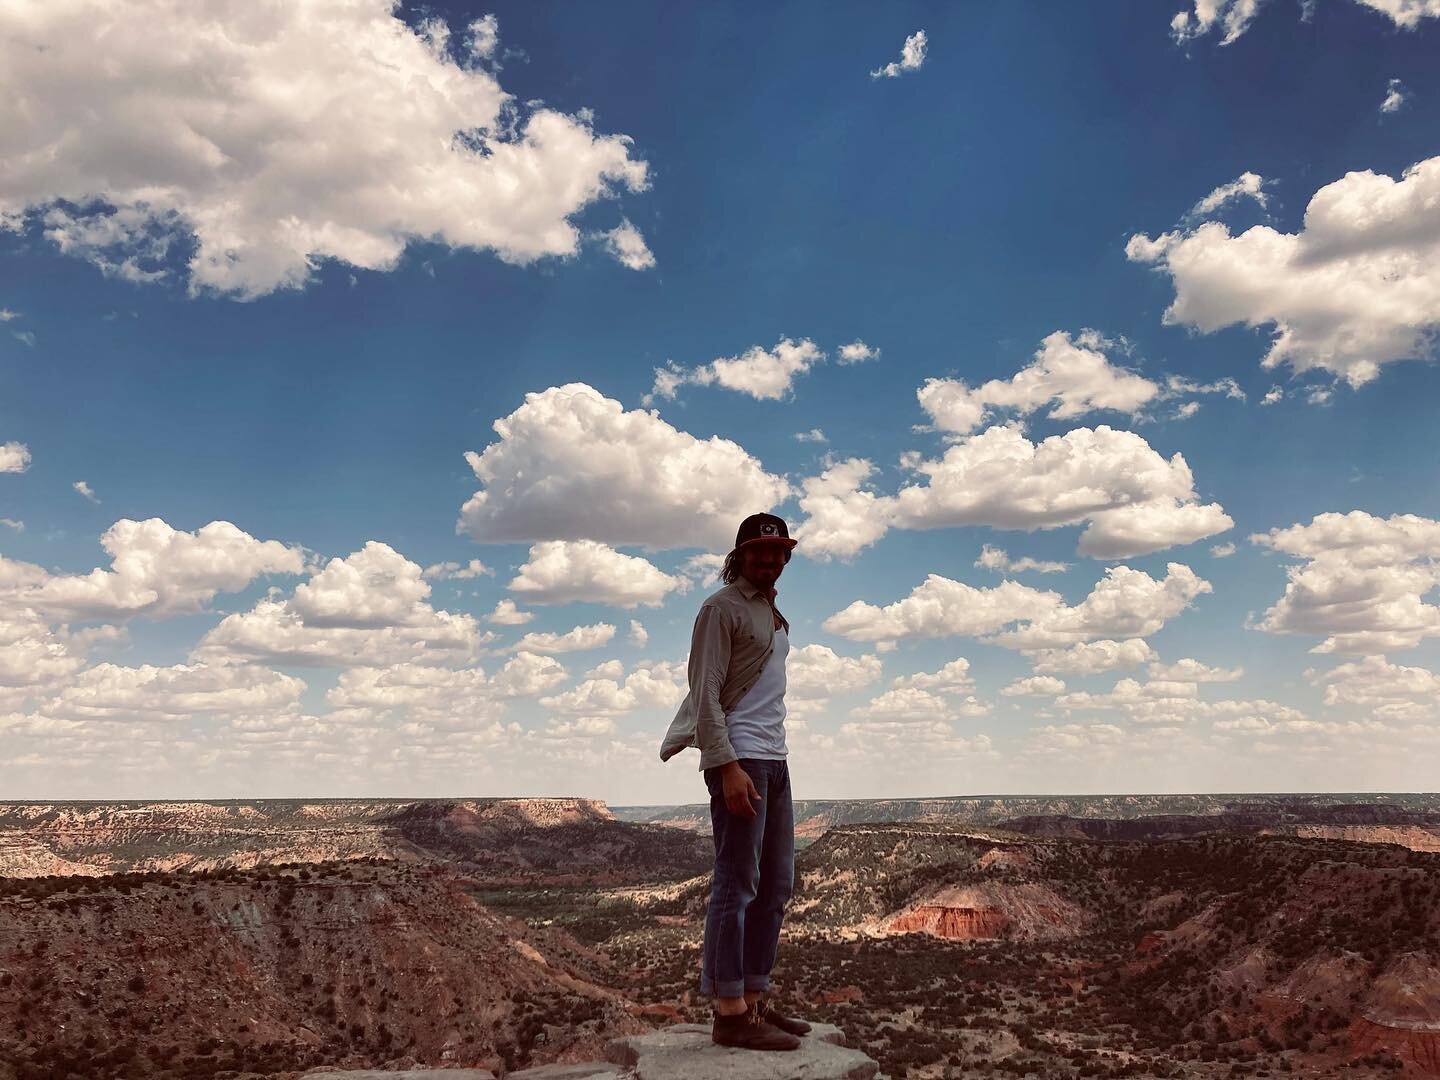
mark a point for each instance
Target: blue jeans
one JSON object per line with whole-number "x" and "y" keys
{"x": 754, "y": 876}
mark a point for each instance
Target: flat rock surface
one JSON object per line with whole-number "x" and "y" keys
{"x": 404, "y": 1074}
{"x": 678, "y": 1052}
{"x": 685, "y": 1052}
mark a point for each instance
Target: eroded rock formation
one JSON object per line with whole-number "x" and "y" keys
{"x": 989, "y": 910}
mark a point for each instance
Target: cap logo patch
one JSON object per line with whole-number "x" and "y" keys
{"x": 767, "y": 529}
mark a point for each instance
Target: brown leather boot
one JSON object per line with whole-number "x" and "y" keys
{"x": 749, "y": 1032}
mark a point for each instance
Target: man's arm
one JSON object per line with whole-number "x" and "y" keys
{"x": 709, "y": 664}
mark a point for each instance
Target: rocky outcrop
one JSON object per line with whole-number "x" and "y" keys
{"x": 999, "y": 858}
{"x": 1419, "y": 1050}
{"x": 1401, "y": 1013}
{"x": 955, "y": 923}
{"x": 686, "y": 1052}
{"x": 679, "y": 1052}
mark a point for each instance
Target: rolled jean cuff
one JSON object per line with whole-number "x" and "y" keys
{"x": 757, "y": 982}
{"x": 725, "y": 988}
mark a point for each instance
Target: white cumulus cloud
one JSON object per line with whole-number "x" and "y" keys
{"x": 942, "y": 607}
{"x": 507, "y": 614}
{"x": 1034, "y": 686}
{"x": 842, "y": 517}
{"x": 1091, "y": 657}
{"x": 14, "y": 457}
{"x": 1133, "y": 500}
{"x": 572, "y": 464}
{"x": 578, "y": 639}
{"x": 816, "y": 673}
{"x": 910, "y": 704}
{"x": 368, "y": 609}
{"x": 658, "y": 685}
{"x": 1233, "y": 17}
{"x": 607, "y": 669}
{"x": 419, "y": 694}
{"x": 952, "y": 678}
{"x": 275, "y": 136}
{"x": 113, "y": 692}
{"x": 576, "y": 571}
{"x": 155, "y": 571}
{"x": 1356, "y": 288}
{"x": 1126, "y": 603}
{"x": 526, "y": 674}
{"x": 1375, "y": 682}
{"x": 764, "y": 374}
{"x": 1361, "y": 584}
{"x": 1188, "y": 670}
{"x": 376, "y": 586}
{"x": 856, "y": 352}
{"x": 1069, "y": 375}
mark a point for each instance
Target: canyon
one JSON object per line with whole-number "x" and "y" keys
{"x": 271, "y": 938}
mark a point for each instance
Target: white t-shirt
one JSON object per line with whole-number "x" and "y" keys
{"x": 756, "y": 725}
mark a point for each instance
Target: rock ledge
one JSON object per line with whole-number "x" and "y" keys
{"x": 678, "y": 1052}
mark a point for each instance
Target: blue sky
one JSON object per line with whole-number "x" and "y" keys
{"x": 363, "y": 305}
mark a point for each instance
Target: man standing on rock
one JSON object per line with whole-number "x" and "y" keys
{"x": 735, "y": 714}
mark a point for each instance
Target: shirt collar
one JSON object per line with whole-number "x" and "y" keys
{"x": 750, "y": 590}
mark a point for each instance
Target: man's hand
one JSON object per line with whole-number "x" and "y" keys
{"x": 739, "y": 790}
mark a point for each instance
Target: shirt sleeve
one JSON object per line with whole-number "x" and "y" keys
{"x": 709, "y": 664}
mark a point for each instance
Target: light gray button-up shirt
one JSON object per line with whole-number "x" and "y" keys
{"x": 733, "y": 639}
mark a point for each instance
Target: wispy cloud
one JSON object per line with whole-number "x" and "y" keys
{"x": 628, "y": 247}
{"x": 1395, "y": 97}
{"x": 764, "y": 374}
{"x": 856, "y": 352}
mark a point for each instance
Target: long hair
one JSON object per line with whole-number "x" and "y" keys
{"x": 731, "y": 570}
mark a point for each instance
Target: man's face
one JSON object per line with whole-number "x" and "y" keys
{"x": 762, "y": 563}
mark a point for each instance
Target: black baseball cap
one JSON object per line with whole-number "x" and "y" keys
{"x": 763, "y": 529}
